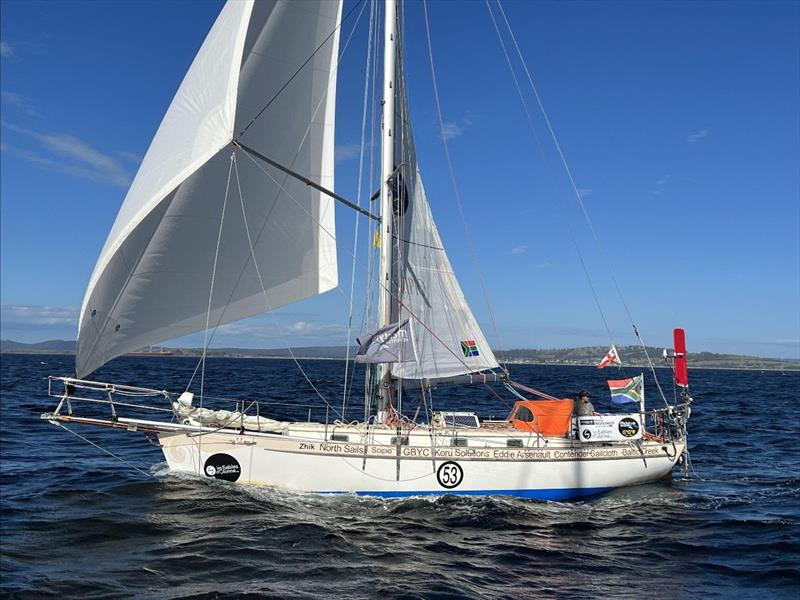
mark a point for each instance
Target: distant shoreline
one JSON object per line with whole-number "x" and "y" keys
{"x": 212, "y": 354}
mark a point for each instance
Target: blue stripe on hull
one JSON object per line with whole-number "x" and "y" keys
{"x": 554, "y": 494}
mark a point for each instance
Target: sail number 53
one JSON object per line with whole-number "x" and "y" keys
{"x": 449, "y": 475}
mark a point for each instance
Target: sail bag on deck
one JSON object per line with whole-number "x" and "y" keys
{"x": 152, "y": 281}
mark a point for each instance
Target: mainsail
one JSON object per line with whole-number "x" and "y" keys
{"x": 182, "y": 218}
{"x": 447, "y": 340}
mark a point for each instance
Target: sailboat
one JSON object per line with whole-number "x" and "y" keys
{"x": 231, "y": 214}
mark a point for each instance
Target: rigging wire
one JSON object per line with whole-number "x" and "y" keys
{"x": 325, "y": 230}
{"x": 253, "y": 120}
{"x": 301, "y": 67}
{"x": 456, "y": 192}
{"x": 406, "y": 169}
{"x": 399, "y": 138}
{"x": 99, "y": 447}
{"x": 358, "y": 202}
{"x": 571, "y": 231}
{"x": 513, "y": 384}
{"x": 264, "y": 291}
{"x": 579, "y": 199}
{"x": 374, "y": 228}
{"x": 333, "y": 237}
{"x": 211, "y": 287}
{"x": 516, "y": 82}
{"x": 323, "y": 96}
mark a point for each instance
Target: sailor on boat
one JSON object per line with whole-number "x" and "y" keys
{"x": 584, "y": 407}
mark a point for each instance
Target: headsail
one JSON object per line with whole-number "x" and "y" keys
{"x": 447, "y": 340}
{"x": 446, "y": 335}
{"x": 153, "y": 278}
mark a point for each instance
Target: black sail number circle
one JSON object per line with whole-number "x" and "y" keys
{"x": 449, "y": 475}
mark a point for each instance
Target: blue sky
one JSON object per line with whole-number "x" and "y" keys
{"x": 679, "y": 121}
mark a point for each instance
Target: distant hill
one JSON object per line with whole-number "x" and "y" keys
{"x": 589, "y": 355}
{"x": 69, "y": 346}
{"x": 48, "y": 347}
{"x": 337, "y": 352}
{"x": 634, "y": 356}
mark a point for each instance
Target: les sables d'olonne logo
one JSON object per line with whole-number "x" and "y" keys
{"x": 222, "y": 466}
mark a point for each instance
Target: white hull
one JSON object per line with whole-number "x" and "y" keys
{"x": 561, "y": 470}
{"x": 488, "y": 458}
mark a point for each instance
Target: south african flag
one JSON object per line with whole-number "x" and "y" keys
{"x": 627, "y": 390}
{"x": 469, "y": 348}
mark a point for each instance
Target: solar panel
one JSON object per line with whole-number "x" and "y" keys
{"x": 461, "y": 420}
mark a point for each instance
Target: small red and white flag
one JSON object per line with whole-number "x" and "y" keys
{"x": 612, "y": 358}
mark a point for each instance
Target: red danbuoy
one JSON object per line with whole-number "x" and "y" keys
{"x": 681, "y": 372}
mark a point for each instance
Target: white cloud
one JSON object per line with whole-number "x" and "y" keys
{"x": 34, "y": 46}
{"x": 327, "y": 331}
{"x": 12, "y": 98}
{"x": 574, "y": 331}
{"x": 659, "y": 185}
{"x": 34, "y": 323}
{"x": 585, "y": 192}
{"x": 521, "y": 249}
{"x": 697, "y": 135}
{"x": 300, "y": 327}
{"x": 347, "y": 152}
{"x": 18, "y": 101}
{"x": 543, "y": 265}
{"x": 79, "y": 171}
{"x": 451, "y": 130}
{"x": 82, "y": 160}
{"x": 38, "y": 316}
{"x": 130, "y": 156}
{"x": 268, "y": 331}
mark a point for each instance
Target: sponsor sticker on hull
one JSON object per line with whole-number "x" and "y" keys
{"x": 628, "y": 428}
{"x": 610, "y": 428}
{"x": 222, "y": 466}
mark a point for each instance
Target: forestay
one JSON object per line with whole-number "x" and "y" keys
{"x": 447, "y": 340}
{"x": 152, "y": 281}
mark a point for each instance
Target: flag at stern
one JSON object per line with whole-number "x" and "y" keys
{"x": 627, "y": 390}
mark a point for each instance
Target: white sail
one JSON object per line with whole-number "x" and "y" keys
{"x": 446, "y": 336}
{"x": 153, "y": 279}
{"x": 447, "y": 340}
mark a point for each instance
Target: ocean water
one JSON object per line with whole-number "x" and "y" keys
{"x": 77, "y": 523}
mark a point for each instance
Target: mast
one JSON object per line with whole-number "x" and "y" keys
{"x": 387, "y": 169}
{"x": 448, "y": 345}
